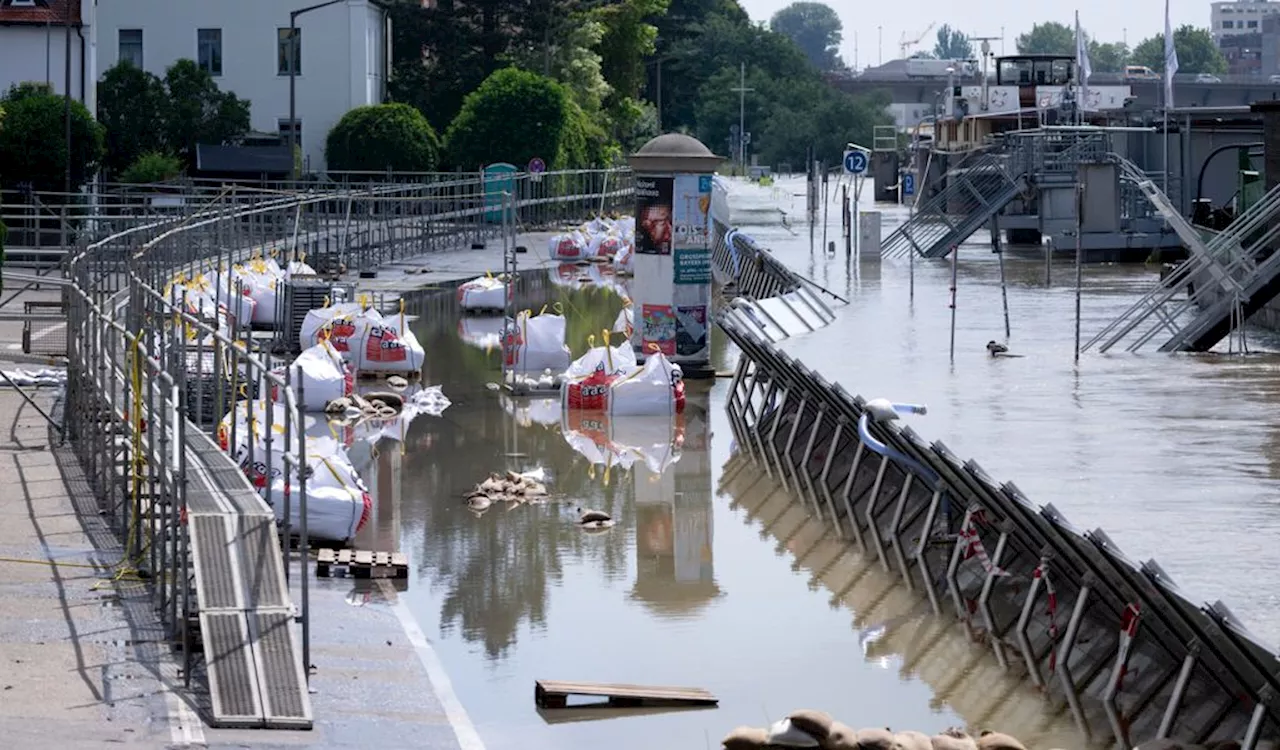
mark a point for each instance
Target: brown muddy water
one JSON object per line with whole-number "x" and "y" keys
{"x": 712, "y": 578}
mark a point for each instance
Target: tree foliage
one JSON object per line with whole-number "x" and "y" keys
{"x": 1049, "y": 38}
{"x": 383, "y": 136}
{"x": 515, "y": 116}
{"x": 1108, "y": 57}
{"x": 145, "y": 114}
{"x": 952, "y": 44}
{"x": 32, "y": 146}
{"x": 1197, "y": 52}
{"x": 816, "y": 30}
{"x": 152, "y": 167}
{"x": 198, "y": 112}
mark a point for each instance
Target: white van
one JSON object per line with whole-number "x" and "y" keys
{"x": 1139, "y": 72}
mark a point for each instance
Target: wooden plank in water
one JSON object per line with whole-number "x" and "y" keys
{"x": 555, "y": 694}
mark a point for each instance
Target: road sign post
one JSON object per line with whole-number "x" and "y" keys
{"x": 536, "y": 167}
{"x": 855, "y": 162}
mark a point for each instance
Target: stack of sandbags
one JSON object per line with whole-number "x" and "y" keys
{"x": 810, "y": 728}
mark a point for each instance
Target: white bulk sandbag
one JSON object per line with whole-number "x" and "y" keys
{"x": 656, "y": 388}
{"x": 624, "y": 261}
{"x": 298, "y": 268}
{"x": 484, "y": 293}
{"x": 625, "y": 323}
{"x": 610, "y": 360}
{"x": 655, "y": 440}
{"x": 610, "y": 245}
{"x": 335, "y": 323}
{"x": 383, "y": 347}
{"x": 537, "y": 343}
{"x": 321, "y": 375}
{"x": 571, "y": 246}
{"x": 338, "y": 505}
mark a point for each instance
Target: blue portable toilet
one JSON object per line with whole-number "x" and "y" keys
{"x": 498, "y": 179}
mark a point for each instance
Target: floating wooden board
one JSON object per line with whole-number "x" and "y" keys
{"x": 553, "y": 694}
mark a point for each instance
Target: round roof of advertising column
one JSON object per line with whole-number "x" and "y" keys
{"x": 674, "y": 152}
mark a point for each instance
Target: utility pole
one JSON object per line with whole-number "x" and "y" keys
{"x": 742, "y": 115}
{"x": 295, "y": 60}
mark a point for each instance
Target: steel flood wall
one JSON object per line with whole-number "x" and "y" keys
{"x": 1115, "y": 641}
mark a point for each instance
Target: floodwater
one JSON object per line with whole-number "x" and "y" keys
{"x": 1176, "y": 456}
{"x": 713, "y": 579}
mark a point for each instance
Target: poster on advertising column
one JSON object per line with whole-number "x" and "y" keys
{"x": 690, "y": 204}
{"x": 653, "y": 215}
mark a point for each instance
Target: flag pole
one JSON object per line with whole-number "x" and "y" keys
{"x": 1170, "y": 70}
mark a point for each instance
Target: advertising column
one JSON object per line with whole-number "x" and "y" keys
{"x": 651, "y": 297}
{"x": 691, "y": 275}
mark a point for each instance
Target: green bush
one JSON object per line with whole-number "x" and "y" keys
{"x": 152, "y": 167}
{"x": 515, "y": 116}
{"x": 380, "y": 137}
{"x": 32, "y": 146}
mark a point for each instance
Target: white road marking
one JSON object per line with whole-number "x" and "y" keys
{"x": 185, "y": 727}
{"x": 463, "y": 729}
{"x": 39, "y": 335}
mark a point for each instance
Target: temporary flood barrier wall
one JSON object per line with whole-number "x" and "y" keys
{"x": 1132, "y": 657}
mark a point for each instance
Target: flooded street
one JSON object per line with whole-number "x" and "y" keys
{"x": 685, "y": 590}
{"x": 713, "y": 579}
{"x": 1174, "y": 455}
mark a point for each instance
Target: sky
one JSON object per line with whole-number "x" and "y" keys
{"x": 1105, "y": 20}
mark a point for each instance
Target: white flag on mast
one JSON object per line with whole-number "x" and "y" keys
{"x": 1083, "y": 69}
{"x": 1170, "y": 58}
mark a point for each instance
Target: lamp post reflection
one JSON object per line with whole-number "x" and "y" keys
{"x": 675, "y": 569}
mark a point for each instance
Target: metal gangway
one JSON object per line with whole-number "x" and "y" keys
{"x": 1222, "y": 277}
{"x": 973, "y": 196}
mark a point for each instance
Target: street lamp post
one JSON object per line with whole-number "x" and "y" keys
{"x": 294, "y": 60}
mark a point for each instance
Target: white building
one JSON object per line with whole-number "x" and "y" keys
{"x": 1239, "y": 17}
{"x": 33, "y": 45}
{"x": 342, "y": 58}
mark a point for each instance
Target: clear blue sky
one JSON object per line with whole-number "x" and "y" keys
{"x": 1105, "y": 20}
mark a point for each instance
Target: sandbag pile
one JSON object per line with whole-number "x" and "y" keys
{"x": 599, "y": 239}
{"x": 810, "y": 728}
{"x": 607, "y": 379}
{"x": 320, "y": 374}
{"x": 260, "y": 279}
{"x": 511, "y": 488}
{"x": 485, "y": 293}
{"x": 364, "y": 338}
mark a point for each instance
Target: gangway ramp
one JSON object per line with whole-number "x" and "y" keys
{"x": 973, "y": 196}
{"x": 1202, "y": 300}
{"x": 257, "y": 678}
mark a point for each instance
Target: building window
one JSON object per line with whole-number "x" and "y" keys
{"x": 288, "y": 55}
{"x": 1253, "y": 24}
{"x": 209, "y": 50}
{"x": 131, "y": 47}
{"x": 1227, "y": 24}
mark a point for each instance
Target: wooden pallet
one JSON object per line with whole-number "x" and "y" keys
{"x": 413, "y": 376}
{"x": 553, "y": 694}
{"x": 361, "y": 564}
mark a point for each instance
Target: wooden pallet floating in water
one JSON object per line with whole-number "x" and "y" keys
{"x": 553, "y": 694}
{"x": 361, "y": 564}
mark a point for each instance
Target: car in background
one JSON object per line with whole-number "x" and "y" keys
{"x": 1139, "y": 73}
{"x": 1207, "y": 78}
{"x": 1274, "y": 78}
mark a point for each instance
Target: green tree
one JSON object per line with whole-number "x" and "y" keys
{"x": 130, "y": 104}
{"x": 383, "y": 136}
{"x": 1197, "y": 52}
{"x": 1108, "y": 57}
{"x": 198, "y": 112}
{"x": 29, "y": 152}
{"x": 151, "y": 168}
{"x": 816, "y": 30}
{"x": 514, "y": 116}
{"x": 952, "y": 44}
{"x": 1049, "y": 38}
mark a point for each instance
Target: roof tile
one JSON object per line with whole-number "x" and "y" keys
{"x": 42, "y": 12}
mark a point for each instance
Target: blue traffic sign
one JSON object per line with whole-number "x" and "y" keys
{"x": 855, "y": 162}
{"x": 537, "y": 165}
{"x": 908, "y": 184}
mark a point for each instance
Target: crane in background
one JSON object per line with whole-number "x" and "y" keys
{"x": 904, "y": 44}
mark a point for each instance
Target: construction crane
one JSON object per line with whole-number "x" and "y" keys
{"x": 904, "y": 44}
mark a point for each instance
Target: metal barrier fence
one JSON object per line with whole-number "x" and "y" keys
{"x": 153, "y": 369}
{"x": 1130, "y": 655}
